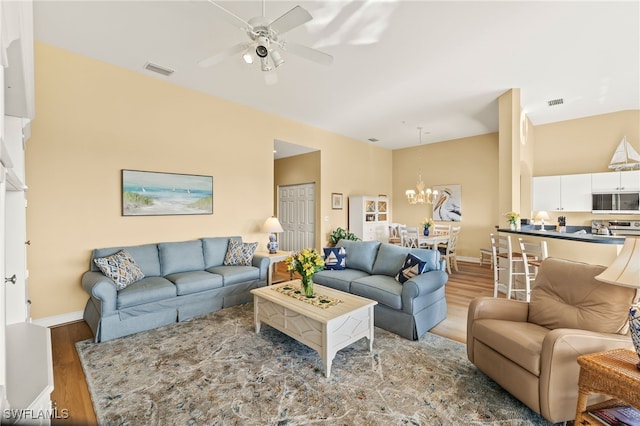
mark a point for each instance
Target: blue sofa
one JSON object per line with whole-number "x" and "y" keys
{"x": 181, "y": 280}
{"x": 408, "y": 309}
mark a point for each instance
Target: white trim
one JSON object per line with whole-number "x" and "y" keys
{"x": 59, "y": 319}
{"x": 469, "y": 259}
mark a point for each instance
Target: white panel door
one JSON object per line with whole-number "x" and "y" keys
{"x": 297, "y": 216}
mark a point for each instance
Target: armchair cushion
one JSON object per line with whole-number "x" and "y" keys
{"x": 585, "y": 303}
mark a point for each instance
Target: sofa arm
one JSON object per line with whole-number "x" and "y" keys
{"x": 559, "y": 369}
{"x": 262, "y": 263}
{"x": 103, "y": 289}
{"x": 421, "y": 285}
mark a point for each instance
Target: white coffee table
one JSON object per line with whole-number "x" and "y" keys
{"x": 325, "y": 330}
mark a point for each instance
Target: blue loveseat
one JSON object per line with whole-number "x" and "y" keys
{"x": 181, "y": 280}
{"x": 409, "y": 309}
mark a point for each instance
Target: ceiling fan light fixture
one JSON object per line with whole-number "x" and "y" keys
{"x": 248, "y": 57}
{"x": 276, "y": 58}
{"x": 262, "y": 51}
{"x": 265, "y": 65}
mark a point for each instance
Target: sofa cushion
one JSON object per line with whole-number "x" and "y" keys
{"x": 147, "y": 290}
{"x": 589, "y": 304}
{"x": 194, "y": 281}
{"x": 236, "y": 274}
{"x": 339, "y": 280}
{"x": 381, "y": 288}
{"x": 518, "y": 341}
{"x": 239, "y": 253}
{"x": 215, "y": 249}
{"x": 389, "y": 259}
{"x": 413, "y": 266}
{"x": 146, "y": 256}
{"x": 181, "y": 256}
{"x": 360, "y": 254}
{"x": 121, "y": 267}
{"x": 334, "y": 258}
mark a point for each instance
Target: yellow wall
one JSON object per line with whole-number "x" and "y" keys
{"x": 94, "y": 119}
{"x": 470, "y": 162}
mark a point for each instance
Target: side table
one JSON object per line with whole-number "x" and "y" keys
{"x": 612, "y": 373}
{"x": 274, "y": 258}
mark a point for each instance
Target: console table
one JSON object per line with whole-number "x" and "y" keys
{"x": 612, "y": 373}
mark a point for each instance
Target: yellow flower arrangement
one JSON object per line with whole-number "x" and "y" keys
{"x": 428, "y": 223}
{"x": 306, "y": 262}
{"x": 512, "y": 217}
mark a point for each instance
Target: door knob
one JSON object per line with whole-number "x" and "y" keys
{"x": 11, "y": 280}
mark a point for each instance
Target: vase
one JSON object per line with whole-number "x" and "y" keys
{"x": 512, "y": 226}
{"x": 426, "y": 232}
{"x": 306, "y": 286}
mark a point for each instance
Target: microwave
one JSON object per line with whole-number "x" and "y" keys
{"x": 616, "y": 202}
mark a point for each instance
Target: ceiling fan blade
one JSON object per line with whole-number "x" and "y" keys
{"x": 221, "y": 56}
{"x": 232, "y": 18}
{"x": 290, "y": 20}
{"x": 309, "y": 53}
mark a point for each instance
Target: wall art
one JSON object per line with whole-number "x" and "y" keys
{"x": 447, "y": 207}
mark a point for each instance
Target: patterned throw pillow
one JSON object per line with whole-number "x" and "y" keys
{"x": 334, "y": 258}
{"x": 412, "y": 267}
{"x": 239, "y": 253}
{"x": 121, "y": 267}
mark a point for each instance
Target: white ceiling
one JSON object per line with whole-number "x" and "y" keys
{"x": 397, "y": 64}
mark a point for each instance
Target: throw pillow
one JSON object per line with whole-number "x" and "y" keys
{"x": 239, "y": 253}
{"x": 334, "y": 258}
{"x": 412, "y": 267}
{"x": 121, "y": 267}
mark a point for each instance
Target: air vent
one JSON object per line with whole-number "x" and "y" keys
{"x": 554, "y": 102}
{"x": 159, "y": 69}
{"x": 374, "y": 140}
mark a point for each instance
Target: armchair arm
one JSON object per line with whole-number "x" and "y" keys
{"x": 559, "y": 369}
{"x": 262, "y": 263}
{"x": 102, "y": 288}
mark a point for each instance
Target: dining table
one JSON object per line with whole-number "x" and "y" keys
{"x": 432, "y": 241}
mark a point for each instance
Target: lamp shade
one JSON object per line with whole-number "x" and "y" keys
{"x": 625, "y": 269}
{"x": 272, "y": 225}
{"x": 542, "y": 215}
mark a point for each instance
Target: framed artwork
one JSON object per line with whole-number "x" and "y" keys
{"x": 336, "y": 201}
{"x": 162, "y": 194}
{"x": 447, "y": 207}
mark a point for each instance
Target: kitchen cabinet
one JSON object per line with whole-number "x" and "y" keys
{"x": 570, "y": 193}
{"x": 369, "y": 217}
{"x": 616, "y": 181}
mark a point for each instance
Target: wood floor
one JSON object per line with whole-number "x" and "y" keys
{"x": 70, "y": 388}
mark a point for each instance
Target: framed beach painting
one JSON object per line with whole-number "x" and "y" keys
{"x": 447, "y": 207}
{"x": 162, "y": 194}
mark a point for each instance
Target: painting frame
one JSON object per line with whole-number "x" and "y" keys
{"x": 336, "y": 200}
{"x": 150, "y": 193}
{"x": 447, "y": 207}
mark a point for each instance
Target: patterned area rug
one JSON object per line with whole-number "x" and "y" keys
{"x": 215, "y": 370}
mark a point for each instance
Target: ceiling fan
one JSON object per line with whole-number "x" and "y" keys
{"x": 265, "y": 40}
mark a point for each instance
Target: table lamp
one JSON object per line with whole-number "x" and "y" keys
{"x": 272, "y": 225}
{"x": 625, "y": 272}
{"x": 542, "y": 216}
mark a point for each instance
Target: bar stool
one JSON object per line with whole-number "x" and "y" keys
{"x": 532, "y": 256}
{"x": 501, "y": 248}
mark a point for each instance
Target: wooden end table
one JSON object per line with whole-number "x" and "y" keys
{"x": 274, "y": 258}
{"x": 612, "y": 373}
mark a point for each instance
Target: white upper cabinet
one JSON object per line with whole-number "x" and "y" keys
{"x": 616, "y": 181}
{"x": 562, "y": 193}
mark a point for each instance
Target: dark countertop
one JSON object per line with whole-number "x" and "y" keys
{"x": 550, "y": 232}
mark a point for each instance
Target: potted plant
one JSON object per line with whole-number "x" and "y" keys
{"x": 512, "y": 217}
{"x": 426, "y": 225}
{"x": 341, "y": 234}
{"x": 306, "y": 262}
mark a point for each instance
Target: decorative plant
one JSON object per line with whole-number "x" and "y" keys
{"x": 512, "y": 217}
{"x": 306, "y": 262}
{"x": 341, "y": 234}
{"x": 428, "y": 223}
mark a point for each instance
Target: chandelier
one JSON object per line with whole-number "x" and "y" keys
{"x": 422, "y": 195}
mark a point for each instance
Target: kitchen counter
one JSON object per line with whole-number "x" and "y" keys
{"x": 550, "y": 232}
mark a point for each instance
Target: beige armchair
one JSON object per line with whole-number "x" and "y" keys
{"x": 530, "y": 348}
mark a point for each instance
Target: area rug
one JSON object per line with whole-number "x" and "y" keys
{"x": 215, "y": 370}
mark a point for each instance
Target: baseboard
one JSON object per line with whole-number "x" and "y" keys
{"x": 469, "y": 259}
{"x": 59, "y": 319}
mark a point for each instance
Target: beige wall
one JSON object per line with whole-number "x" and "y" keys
{"x": 94, "y": 119}
{"x": 470, "y": 162}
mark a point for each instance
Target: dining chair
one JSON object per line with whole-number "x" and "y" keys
{"x": 410, "y": 237}
{"x": 439, "y": 229}
{"x": 448, "y": 253}
{"x": 532, "y": 256}
{"x": 394, "y": 234}
{"x": 504, "y": 260}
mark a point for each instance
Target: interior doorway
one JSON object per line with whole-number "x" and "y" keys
{"x": 297, "y": 211}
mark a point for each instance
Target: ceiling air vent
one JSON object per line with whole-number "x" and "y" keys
{"x": 374, "y": 140}
{"x": 554, "y": 102}
{"x": 159, "y": 69}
